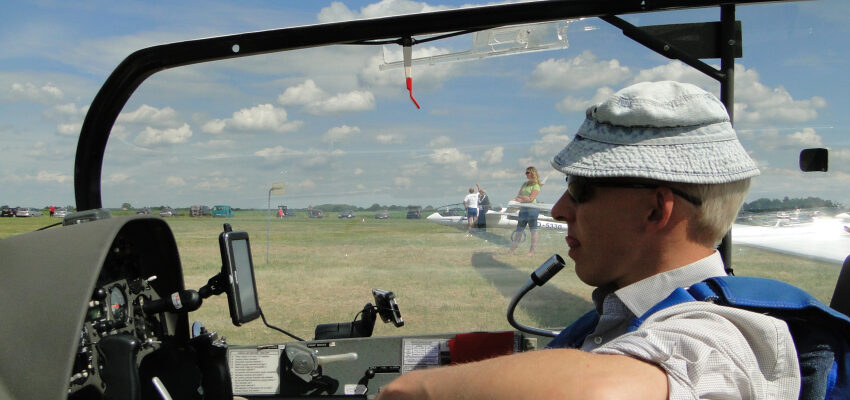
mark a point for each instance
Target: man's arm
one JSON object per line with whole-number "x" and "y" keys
{"x": 544, "y": 374}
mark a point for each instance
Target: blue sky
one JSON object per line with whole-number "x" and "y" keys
{"x": 336, "y": 129}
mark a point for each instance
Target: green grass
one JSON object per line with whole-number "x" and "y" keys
{"x": 323, "y": 270}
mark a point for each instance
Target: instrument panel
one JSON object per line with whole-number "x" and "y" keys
{"x": 123, "y": 327}
{"x": 115, "y": 310}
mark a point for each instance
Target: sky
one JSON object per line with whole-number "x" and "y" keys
{"x": 336, "y": 128}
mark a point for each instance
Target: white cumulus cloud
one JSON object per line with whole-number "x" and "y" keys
{"x": 118, "y": 177}
{"x": 316, "y": 101}
{"x": 68, "y": 110}
{"x": 546, "y": 147}
{"x": 275, "y": 153}
{"x": 448, "y": 155}
{"x": 44, "y": 176}
{"x": 46, "y": 93}
{"x": 214, "y": 183}
{"x": 493, "y": 156}
{"x": 151, "y": 137}
{"x": 264, "y": 117}
{"x": 676, "y": 71}
{"x": 339, "y": 133}
{"x": 755, "y": 102}
{"x": 302, "y": 94}
{"x": 806, "y": 138}
{"x": 357, "y": 100}
{"x": 440, "y": 141}
{"x": 338, "y": 11}
{"x": 389, "y": 138}
{"x": 72, "y": 129}
{"x": 175, "y": 181}
{"x": 403, "y": 182}
{"x": 152, "y": 116}
{"x": 578, "y": 72}
{"x": 573, "y": 104}
{"x": 769, "y": 139}
{"x": 546, "y": 130}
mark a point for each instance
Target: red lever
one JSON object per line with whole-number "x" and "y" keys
{"x": 410, "y": 89}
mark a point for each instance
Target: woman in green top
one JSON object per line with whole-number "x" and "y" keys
{"x": 527, "y": 216}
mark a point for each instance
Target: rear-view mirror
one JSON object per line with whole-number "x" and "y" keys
{"x": 814, "y": 160}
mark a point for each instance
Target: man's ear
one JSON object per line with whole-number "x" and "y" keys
{"x": 661, "y": 209}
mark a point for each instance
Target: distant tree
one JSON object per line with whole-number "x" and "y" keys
{"x": 765, "y": 204}
{"x": 127, "y": 206}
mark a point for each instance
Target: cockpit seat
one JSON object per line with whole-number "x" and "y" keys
{"x": 841, "y": 295}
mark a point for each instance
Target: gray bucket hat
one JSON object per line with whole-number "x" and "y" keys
{"x": 666, "y": 131}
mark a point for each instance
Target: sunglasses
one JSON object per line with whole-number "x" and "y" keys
{"x": 581, "y": 189}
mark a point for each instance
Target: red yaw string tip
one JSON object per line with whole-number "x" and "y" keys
{"x": 410, "y": 89}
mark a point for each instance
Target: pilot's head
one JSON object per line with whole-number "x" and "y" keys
{"x": 657, "y": 138}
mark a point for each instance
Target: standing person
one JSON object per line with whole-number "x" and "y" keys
{"x": 483, "y": 207}
{"x": 527, "y": 216}
{"x": 471, "y": 204}
{"x": 655, "y": 176}
{"x": 280, "y": 212}
{"x": 52, "y": 210}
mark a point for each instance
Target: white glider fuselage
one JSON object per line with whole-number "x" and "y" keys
{"x": 500, "y": 219}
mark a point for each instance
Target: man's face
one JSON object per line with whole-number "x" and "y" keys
{"x": 603, "y": 228}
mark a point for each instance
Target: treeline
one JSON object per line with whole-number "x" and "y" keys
{"x": 373, "y": 207}
{"x": 765, "y": 204}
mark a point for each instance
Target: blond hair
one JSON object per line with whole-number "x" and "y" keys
{"x": 720, "y": 206}
{"x": 535, "y": 178}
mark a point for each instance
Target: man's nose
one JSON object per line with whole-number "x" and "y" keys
{"x": 564, "y": 209}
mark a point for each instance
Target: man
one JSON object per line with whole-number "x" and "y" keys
{"x": 655, "y": 178}
{"x": 483, "y": 207}
{"x": 471, "y": 204}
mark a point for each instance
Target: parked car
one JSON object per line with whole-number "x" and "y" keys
{"x": 222, "y": 211}
{"x": 60, "y": 212}
{"x": 346, "y": 214}
{"x": 288, "y": 213}
{"x": 199, "y": 211}
{"x": 382, "y": 214}
{"x": 166, "y": 212}
{"x": 7, "y": 212}
{"x": 414, "y": 213}
{"x": 28, "y": 212}
{"x": 144, "y": 211}
{"x": 315, "y": 214}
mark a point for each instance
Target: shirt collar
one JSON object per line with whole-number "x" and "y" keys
{"x": 640, "y": 296}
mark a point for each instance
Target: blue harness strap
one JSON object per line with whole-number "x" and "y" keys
{"x": 821, "y": 335}
{"x": 573, "y": 336}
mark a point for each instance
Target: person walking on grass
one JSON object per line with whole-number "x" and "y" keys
{"x": 471, "y": 204}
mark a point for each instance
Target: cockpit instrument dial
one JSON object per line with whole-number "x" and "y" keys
{"x": 118, "y": 304}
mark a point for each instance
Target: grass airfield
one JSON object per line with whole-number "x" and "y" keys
{"x": 323, "y": 270}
